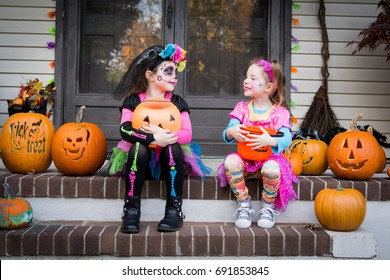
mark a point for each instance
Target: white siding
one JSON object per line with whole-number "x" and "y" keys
{"x": 24, "y": 33}
{"x": 357, "y": 83}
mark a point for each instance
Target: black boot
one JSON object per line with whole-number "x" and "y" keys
{"x": 173, "y": 218}
{"x": 131, "y": 215}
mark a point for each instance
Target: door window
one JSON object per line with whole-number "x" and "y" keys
{"x": 112, "y": 34}
{"x": 223, "y": 36}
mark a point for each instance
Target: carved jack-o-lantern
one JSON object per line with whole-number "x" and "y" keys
{"x": 75, "y": 142}
{"x": 353, "y": 154}
{"x": 79, "y": 148}
{"x": 313, "y": 153}
{"x": 159, "y": 112}
{"x": 26, "y": 140}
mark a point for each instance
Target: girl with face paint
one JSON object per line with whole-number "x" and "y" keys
{"x": 153, "y": 75}
{"x": 267, "y": 109}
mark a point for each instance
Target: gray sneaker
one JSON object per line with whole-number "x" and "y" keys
{"x": 267, "y": 215}
{"x": 244, "y": 214}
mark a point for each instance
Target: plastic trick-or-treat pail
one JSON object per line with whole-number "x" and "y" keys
{"x": 262, "y": 153}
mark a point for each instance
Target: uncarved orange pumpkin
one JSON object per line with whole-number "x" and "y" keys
{"x": 79, "y": 148}
{"x": 381, "y": 160}
{"x": 15, "y": 212}
{"x": 380, "y": 155}
{"x": 340, "y": 209}
{"x": 353, "y": 154}
{"x": 26, "y": 140}
{"x": 313, "y": 153}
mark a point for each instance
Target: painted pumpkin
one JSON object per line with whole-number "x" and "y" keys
{"x": 15, "y": 212}
{"x": 313, "y": 153}
{"x": 26, "y": 140}
{"x": 353, "y": 154}
{"x": 79, "y": 148}
{"x": 340, "y": 209}
{"x": 295, "y": 161}
{"x": 262, "y": 153}
{"x": 159, "y": 112}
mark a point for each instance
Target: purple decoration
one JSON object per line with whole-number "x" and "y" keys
{"x": 294, "y": 40}
{"x": 293, "y": 88}
{"x": 51, "y": 45}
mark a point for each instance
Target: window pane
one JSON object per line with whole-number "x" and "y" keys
{"x": 112, "y": 34}
{"x": 223, "y": 36}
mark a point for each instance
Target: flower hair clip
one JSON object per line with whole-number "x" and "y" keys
{"x": 176, "y": 54}
{"x": 267, "y": 68}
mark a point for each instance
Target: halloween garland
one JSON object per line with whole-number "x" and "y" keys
{"x": 51, "y": 44}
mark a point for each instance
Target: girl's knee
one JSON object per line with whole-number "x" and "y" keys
{"x": 270, "y": 169}
{"x": 234, "y": 162}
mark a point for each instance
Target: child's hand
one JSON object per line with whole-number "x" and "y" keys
{"x": 257, "y": 141}
{"x": 151, "y": 128}
{"x": 164, "y": 138}
{"x": 238, "y": 132}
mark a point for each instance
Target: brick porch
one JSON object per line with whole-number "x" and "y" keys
{"x": 99, "y": 238}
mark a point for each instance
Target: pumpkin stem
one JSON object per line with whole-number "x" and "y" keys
{"x": 353, "y": 126}
{"x": 339, "y": 187}
{"x": 10, "y": 193}
{"x": 80, "y": 114}
{"x": 370, "y": 130}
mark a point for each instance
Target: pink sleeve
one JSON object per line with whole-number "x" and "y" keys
{"x": 239, "y": 111}
{"x": 185, "y": 133}
{"x": 127, "y": 115}
{"x": 282, "y": 118}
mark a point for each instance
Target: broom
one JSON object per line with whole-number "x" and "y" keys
{"x": 320, "y": 116}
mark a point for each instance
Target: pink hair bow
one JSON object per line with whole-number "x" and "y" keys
{"x": 267, "y": 68}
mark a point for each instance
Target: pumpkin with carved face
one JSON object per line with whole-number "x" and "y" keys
{"x": 79, "y": 148}
{"x": 353, "y": 154}
{"x": 159, "y": 112}
{"x": 313, "y": 154}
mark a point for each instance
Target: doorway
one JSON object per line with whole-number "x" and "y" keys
{"x": 97, "y": 39}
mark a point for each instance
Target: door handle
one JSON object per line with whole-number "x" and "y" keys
{"x": 169, "y": 14}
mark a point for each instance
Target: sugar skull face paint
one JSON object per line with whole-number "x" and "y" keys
{"x": 165, "y": 76}
{"x": 170, "y": 71}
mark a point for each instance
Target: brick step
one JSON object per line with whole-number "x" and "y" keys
{"x": 55, "y": 185}
{"x": 56, "y": 189}
{"x": 70, "y": 238}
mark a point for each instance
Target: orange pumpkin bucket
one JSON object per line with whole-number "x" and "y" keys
{"x": 262, "y": 153}
{"x": 160, "y": 112}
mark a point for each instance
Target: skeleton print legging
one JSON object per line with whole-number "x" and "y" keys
{"x": 236, "y": 175}
{"x": 137, "y": 169}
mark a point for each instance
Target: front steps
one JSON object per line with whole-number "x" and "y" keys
{"x": 80, "y": 216}
{"x": 66, "y": 238}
